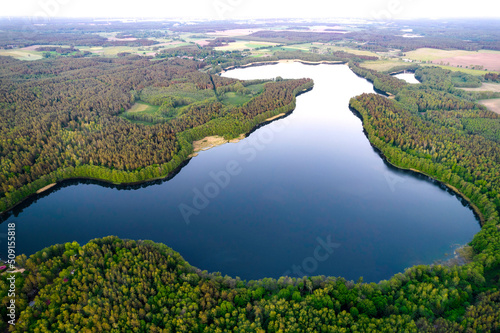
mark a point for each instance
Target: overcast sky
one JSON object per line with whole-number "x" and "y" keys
{"x": 242, "y": 9}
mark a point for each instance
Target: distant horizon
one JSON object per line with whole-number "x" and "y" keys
{"x": 256, "y": 19}
{"x": 213, "y": 10}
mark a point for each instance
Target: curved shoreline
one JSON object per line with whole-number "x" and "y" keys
{"x": 479, "y": 215}
{"x": 281, "y": 61}
{"x": 172, "y": 173}
{"x": 53, "y": 186}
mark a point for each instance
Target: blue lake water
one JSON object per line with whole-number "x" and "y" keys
{"x": 304, "y": 195}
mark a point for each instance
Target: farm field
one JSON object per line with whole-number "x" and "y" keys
{"x": 22, "y": 54}
{"x": 114, "y": 50}
{"x": 495, "y": 87}
{"x": 25, "y": 53}
{"x": 143, "y": 107}
{"x": 382, "y": 65}
{"x": 460, "y": 69}
{"x": 426, "y": 54}
{"x": 353, "y": 51}
{"x": 492, "y": 104}
{"x": 490, "y": 60}
{"x": 242, "y": 45}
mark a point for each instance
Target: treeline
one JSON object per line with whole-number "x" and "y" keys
{"x": 37, "y": 36}
{"x": 283, "y": 36}
{"x": 373, "y": 38}
{"x": 58, "y": 120}
{"x": 115, "y": 285}
{"x": 59, "y": 50}
{"x": 437, "y": 144}
{"x": 434, "y": 129}
{"x": 340, "y": 56}
{"x": 440, "y": 78}
{"x": 220, "y": 42}
{"x": 381, "y": 81}
{"x": 444, "y": 80}
{"x": 220, "y": 60}
{"x": 382, "y": 41}
{"x": 460, "y": 34}
{"x": 492, "y": 77}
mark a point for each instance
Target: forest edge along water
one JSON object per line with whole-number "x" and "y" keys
{"x": 219, "y": 239}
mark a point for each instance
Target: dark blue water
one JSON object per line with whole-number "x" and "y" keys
{"x": 304, "y": 195}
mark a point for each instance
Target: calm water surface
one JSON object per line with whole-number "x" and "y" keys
{"x": 408, "y": 77}
{"x": 308, "y": 179}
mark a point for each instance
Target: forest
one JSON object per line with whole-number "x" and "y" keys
{"x": 114, "y": 285}
{"x": 64, "y": 118}
{"x": 129, "y": 119}
{"x": 447, "y": 137}
{"x": 462, "y": 35}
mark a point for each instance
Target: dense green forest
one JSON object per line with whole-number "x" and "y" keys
{"x": 63, "y": 118}
{"x": 436, "y": 129}
{"x": 113, "y": 285}
{"x": 128, "y": 119}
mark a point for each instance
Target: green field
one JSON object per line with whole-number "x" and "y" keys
{"x": 143, "y": 107}
{"x": 236, "y": 99}
{"x": 256, "y": 88}
{"x": 232, "y": 98}
{"x": 22, "y": 54}
{"x": 382, "y": 65}
{"x": 460, "y": 69}
{"x": 428, "y": 54}
{"x": 242, "y": 45}
{"x": 112, "y": 51}
{"x": 146, "y": 112}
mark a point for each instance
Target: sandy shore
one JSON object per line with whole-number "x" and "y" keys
{"x": 275, "y": 117}
{"x": 212, "y": 141}
{"x": 45, "y": 188}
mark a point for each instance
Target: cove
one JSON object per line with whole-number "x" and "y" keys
{"x": 408, "y": 77}
{"x": 304, "y": 195}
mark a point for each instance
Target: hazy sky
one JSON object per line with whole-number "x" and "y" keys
{"x": 240, "y": 9}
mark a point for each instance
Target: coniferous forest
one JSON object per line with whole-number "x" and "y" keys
{"x": 131, "y": 118}
{"x": 60, "y": 118}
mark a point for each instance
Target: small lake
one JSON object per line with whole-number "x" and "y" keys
{"x": 304, "y": 195}
{"x": 408, "y": 77}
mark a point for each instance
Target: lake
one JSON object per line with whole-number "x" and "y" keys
{"x": 304, "y": 195}
{"x": 408, "y": 77}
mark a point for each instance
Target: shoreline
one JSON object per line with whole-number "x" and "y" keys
{"x": 42, "y": 191}
{"x": 213, "y": 141}
{"x": 45, "y": 188}
{"x": 403, "y": 71}
{"x": 452, "y": 188}
{"x": 281, "y": 61}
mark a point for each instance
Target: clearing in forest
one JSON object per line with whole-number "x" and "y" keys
{"x": 492, "y": 104}
{"x": 495, "y": 87}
